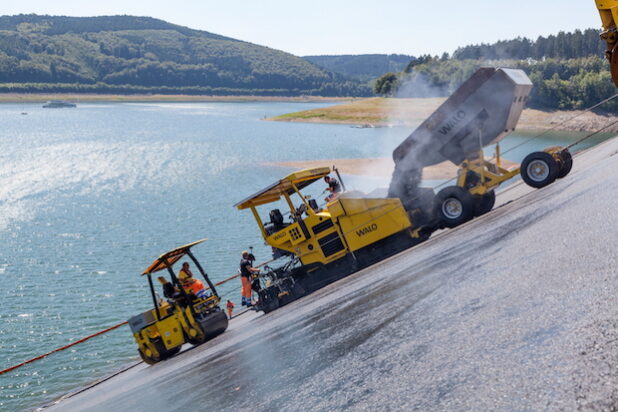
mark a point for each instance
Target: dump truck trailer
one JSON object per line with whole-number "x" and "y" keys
{"x": 481, "y": 112}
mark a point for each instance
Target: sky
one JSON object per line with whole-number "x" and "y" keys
{"x": 320, "y": 27}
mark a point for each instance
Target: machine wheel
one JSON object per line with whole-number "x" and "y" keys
{"x": 454, "y": 206}
{"x": 198, "y": 340}
{"x": 567, "y": 164}
{"x": 270, "y": 306}
{"x": 268, "y": 300}
{"x": 539, "y": 169}
{"x": 172, "y": 352}
{"x": 147, "y": 359}
{"x": 484, "y": 203}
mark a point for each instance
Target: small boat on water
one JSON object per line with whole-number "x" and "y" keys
{"x": 57, "y": 104}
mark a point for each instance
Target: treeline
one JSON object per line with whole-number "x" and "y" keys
{"x": 577, "y": 81}
{"x": 564, "y": 45}
{"x": 131, "y": 53}
{"x": 558, "y": 84}
{"x": 332, "y": 89}
{"x": 362, "y": 67}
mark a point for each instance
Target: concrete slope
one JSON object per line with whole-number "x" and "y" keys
{"x": 514, "y": 310}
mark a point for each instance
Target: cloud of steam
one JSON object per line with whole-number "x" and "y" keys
{"x": 407, "y": 177}
{"x": 418, "y": 85}
{"x": 403, "y": 115}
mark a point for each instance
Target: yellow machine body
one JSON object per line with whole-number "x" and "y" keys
{"x": 367, "y": 221}
{"x": 491, "y": 174}
{"x": 608, "y": 9}
{"x": 343, "y": 225}
{"x": 169, "y": 329}
{"x": 175, "y": 327}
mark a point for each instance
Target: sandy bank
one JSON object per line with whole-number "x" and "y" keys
{"x": 379, "y": 167}
{"x": 411, "y": 112}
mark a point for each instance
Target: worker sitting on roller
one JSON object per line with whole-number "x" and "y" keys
{"x": 333, "y": 187}
{"x": 246, "y": 273}
{"x": 191, "y": 284}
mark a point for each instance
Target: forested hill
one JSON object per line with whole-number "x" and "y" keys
{"x": 362, "y": 67}
{"x": 127, "y": 54}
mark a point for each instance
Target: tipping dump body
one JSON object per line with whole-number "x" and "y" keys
{"x": 482, "y": 111}
{"x": 489, "y": 102}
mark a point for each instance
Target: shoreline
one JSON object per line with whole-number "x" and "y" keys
{"x": 392, "y": 112}
{"x": 180, "y": 98}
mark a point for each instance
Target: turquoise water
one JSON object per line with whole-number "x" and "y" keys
{"x": 89, "y": 196}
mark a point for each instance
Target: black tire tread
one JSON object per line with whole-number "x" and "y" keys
{"x": 460, "y": 194}
{"x": 551, "y": 163}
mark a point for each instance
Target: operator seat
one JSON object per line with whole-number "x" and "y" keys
{"x": 170, "y": 292}
{"x": 314, "y": 205}
{"x": 276, "y": 218}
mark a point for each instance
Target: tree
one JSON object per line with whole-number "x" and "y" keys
{"x": 386, "y": 85}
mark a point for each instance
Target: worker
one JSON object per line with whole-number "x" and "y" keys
{"x": 230, "y": 308}
{"x": 255, "y": 281}
{"x": 251, "y": 256}
{"x": 185, "y": 272}
{"x": 191, "y": 284}
{"x": 333, "y": 187}
{"x": 246, "y": 273}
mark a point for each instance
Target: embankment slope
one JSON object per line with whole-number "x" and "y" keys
{"x": 513, "y": 310}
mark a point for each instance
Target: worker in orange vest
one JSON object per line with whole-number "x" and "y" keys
{"x": 230, "y": 308}
{"x": 189, "y": 283}
{"x": 246, "y": 272}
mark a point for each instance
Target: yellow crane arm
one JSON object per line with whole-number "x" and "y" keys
{"x": 608, "y": 9}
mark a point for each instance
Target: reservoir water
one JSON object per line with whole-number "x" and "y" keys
{"x": 89, "y": 196}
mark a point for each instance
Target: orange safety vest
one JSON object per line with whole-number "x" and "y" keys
{"x": 191, "y": 285}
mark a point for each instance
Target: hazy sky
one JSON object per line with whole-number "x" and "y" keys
{"x": 351, "y": 27}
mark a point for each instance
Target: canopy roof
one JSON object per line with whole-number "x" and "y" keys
{"x": 272, "y": 193}
{"x": 169, "y": 258}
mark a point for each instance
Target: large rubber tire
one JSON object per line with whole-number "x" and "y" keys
{"x": 484, "y": 203}
{"x": 147, "y": 359}
{"x": 165, "y": 354}
{"x": 268, "y": 300}
{"x": 270, "y": 306}
{"x": 198, "y": 340}
{"x": 567, "y": 164}
{"x": 539, "y": 169}
{"x": 453, "y": 206}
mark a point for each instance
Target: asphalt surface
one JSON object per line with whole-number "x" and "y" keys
{"x": 517, "y": 310}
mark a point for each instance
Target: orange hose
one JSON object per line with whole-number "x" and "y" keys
{"x": 63, "y": 348}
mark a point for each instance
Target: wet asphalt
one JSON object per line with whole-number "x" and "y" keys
{"x": 517, "y": 310}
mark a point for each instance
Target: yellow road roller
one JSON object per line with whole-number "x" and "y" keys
{"x": 188, "y": 312}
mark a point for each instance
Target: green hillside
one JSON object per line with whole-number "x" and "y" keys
{"x": 126, "y": 54}
{"x": 362, "y": 67}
